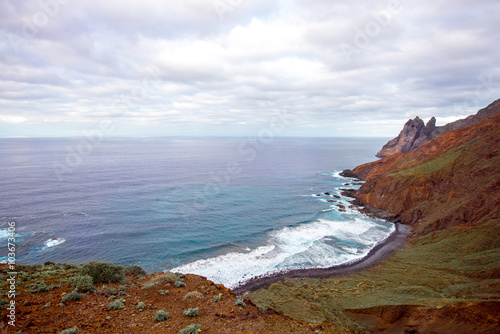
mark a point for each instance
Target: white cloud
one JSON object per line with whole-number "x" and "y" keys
{"x": 178, "y": 66}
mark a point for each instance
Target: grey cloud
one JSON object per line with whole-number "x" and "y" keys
{"x": 180, "y": 65}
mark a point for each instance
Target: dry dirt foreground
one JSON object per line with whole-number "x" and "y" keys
{"x": 43, "y": 312}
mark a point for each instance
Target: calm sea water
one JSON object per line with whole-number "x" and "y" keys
{"x": 225, "y": 208}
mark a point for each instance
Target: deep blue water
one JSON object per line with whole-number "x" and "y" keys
{"x": 227, "y": 208}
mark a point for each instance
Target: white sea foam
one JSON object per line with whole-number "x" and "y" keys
{"x": 319, "y": 244}
{"x": 54, "y": 242}
{"x": 4, "y": 234}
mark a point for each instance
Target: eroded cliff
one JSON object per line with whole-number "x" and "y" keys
{"x": 415, "y": 133}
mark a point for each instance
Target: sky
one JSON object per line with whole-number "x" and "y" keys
{"x": 313, "y": 68}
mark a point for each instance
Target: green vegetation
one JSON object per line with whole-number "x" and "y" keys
{"x": 217, "y": 298}
{"x": 83, "y": 283}
{"x": 73, "y": 295}
{"x": 41, "y": 286}
{"x": 161, "y": 315}
{"x": 191, "y": 312}
{"x": 103, "y": 272}
{"x": 140, "y": 306}
{"x": 116, "y": 304}
{"x": 192, "y": 294}
{"x": 179, "y": 284}
{"x": 191, "y": 329}
{"x": 239, "y": 301}
{"x": 134, "y": 270}
{"x": 69, "y": 330}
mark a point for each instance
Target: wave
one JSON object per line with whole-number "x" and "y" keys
{"x": 54, "y": 242}
{"x": 319, "y": 244}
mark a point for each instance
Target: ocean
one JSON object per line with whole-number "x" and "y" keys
{"x": 226, "y": 208}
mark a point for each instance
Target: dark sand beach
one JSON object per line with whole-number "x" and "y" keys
{"x": 377, "y": 254}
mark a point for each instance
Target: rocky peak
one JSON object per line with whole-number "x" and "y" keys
{"x": 415, "y": 134}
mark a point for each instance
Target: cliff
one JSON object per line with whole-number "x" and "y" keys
{"x": 452, "y": 180}
{"x": 447, "y": 278}
{"x": 415, "y": 133}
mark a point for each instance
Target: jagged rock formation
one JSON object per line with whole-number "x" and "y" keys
{"x": 452, "y": 180}
{"x": 415, "y": 133}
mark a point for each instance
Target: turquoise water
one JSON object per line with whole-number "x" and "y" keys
{"x": 225, "y": 208}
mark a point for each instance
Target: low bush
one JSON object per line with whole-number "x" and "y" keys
{"x": 82, "y": 283}
{"x": 239, "y": 301}
{"x": 134, "y": 270}
{"x": 179, "y": 284}
{"x": 42, "y": 287}
{"x": 191, "y": 312}
{"x": 73, "y": 295}
{"x": 161, "y": 315}
{"x": 192, "y": 294}
{"x": 116, "y": 304}
{"x": 140, "y": 306}
{"x": 69, "y": 330}
{"x": 191, "y": 329}
{"x": 103, "y": 272}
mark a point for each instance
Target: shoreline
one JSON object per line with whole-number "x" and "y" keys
{"x": 382, "y": 251}
{"x": 377, "y": 254}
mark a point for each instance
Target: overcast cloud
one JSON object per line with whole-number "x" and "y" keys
{"x": 229, "y": 67}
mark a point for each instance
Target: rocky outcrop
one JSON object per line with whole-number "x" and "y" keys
{"x": 452, "y": 180}
{"x": 415, "y": 133}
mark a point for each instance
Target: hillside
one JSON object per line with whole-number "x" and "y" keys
{"x": 415, "y": 133}
{"x": 452, "y": 180}
{"x": 47, "y": 303}
{"x": 447, "y": 279}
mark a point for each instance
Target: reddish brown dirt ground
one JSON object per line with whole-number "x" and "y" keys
{"x": 91, "y": 313}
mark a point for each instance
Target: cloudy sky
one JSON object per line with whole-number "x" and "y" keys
{"x": 236, "y": 67}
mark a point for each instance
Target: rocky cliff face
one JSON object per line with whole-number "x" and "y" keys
{"x": 451, "y": 180}
{"x": 415, "y": 133}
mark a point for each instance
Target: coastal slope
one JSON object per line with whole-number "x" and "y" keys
{"x": 415, "y": 133}
{"x": 449, "y": 181}
{"x": 447, "y": 278}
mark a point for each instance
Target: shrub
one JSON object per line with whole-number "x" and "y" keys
{"x": 103, "y": 272}
{"x": 69, "y": 330}
{"x": 191, "y": 312}
{"x": 42, "y": 287}
{"x": 161, "y": 315}
{"x": 116, "y": 304}
{"x": 140, "y": 306}
{"x": 179, "y": 284}
{"x": 45, "y": 306}
{"x": 173, "y": 277}
{"x": 217, "y": 298}
{"x": 48, "y": 263}
{"x": 134, "y": 270}
{"x": 163, "y": 293}
{"x": 192, "y": 294}
{"x": 82, "y": 283}
{"x": 191, "y": 329}
{"x": 73, "y": 295}
{"x": 239, "y": 301}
